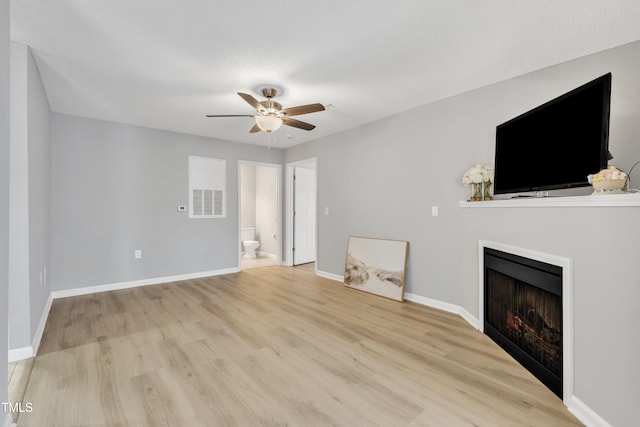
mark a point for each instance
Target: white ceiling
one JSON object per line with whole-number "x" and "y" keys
{"x": 165, "y": 64}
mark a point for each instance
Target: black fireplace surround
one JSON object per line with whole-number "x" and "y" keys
{"x": 523, "y": 312}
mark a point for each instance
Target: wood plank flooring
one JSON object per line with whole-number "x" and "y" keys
{"x": 273, "y": 346}
{"x": 19, "y": 374}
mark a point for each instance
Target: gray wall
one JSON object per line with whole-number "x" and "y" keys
{"x": 382, "y": 179}
{"x": 115, "y": 189}
{"x": 4, "y": 194}
{"x": 19, "y": 313}
{"x": 29, "y": 198}
{"x": 39, "y": 194}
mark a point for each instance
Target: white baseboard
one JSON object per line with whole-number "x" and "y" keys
{"x": 444, "y": 306}
{"x": 16, "y": 354}
{"x": 136, "y": 283}
{"x": 330, "y": 276}
{"x": 470, "y": 318}
{"x": 585, "y": 414}
{"x": 21, "y": 353}
{"x": 35, "y": 344}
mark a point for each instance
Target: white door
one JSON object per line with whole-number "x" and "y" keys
{"x": 304, "y": 215}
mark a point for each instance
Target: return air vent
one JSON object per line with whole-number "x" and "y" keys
{"x": 218, "y": 205}
{"x": 206, "y": 188}
{"x": 204, "y": 204}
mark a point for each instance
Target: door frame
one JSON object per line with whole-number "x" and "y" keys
{"x": 279, "y": 229}
{"x": 288, "y": 249}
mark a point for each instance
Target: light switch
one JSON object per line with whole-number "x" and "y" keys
{"x": 326, "y": 210}
{"x": 434, "y": 211}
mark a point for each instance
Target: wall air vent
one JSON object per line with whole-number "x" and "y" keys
{"x": 218, "y": 205}
{"x": 207, "y": 185}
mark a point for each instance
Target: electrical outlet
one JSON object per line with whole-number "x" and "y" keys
{"x": 137, "y": 254}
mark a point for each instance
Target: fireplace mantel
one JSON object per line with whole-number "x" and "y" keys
{"x": 600, "y": 244}
{"x": 595, "y": 200}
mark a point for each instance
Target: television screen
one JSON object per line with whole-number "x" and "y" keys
{"x": 557, "y": 144}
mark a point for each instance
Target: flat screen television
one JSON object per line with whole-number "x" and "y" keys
{"x": 556, "y": 145}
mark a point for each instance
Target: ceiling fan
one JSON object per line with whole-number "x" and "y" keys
{"x": 271, "y": 115}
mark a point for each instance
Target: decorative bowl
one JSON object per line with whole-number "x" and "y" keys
{"x": 608, "y": 185}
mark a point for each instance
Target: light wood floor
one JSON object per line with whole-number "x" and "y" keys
{"x": 259, "y": 262}
{"x": 273, "y": 346}
{"x": 18, "y": 376}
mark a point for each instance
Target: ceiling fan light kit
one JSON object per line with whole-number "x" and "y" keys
{"x": 268, "y": 123}
{"x": 271, "y": 115}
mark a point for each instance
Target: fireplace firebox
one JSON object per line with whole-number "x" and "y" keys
{"x": 523, "y": 312}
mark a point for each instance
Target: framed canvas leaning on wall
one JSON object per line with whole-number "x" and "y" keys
{"x": 377, "y": 266}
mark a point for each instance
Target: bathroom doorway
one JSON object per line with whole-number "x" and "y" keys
{"x": 259, "y": 242}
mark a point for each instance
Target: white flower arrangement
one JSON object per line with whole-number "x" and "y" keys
{"x": 477, "y": 174}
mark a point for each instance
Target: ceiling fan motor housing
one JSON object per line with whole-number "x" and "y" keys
{"x": 271, "y": 107}
{"x": 269, "y": 92}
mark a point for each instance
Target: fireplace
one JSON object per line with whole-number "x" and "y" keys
{"x": 523, "y": 313}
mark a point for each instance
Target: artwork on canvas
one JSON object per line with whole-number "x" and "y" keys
{"x": 377, "y": 266}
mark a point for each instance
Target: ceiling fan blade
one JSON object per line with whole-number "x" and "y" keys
{"x": 255, "y": 129}
{"x": 302, "y": 109}
{"x": 252, "y": 101}
{"x": 229, "y": 115}
{"x": 297, "y": 124}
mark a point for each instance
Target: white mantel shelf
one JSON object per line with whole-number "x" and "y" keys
{"x": 595, "y": 200}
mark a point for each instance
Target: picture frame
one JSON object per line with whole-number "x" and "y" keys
{"x": 377, "y": 266}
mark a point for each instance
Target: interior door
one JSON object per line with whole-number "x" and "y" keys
{"x": 304, "y": 216}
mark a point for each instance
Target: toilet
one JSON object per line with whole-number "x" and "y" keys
{"x": 247, "y": 236}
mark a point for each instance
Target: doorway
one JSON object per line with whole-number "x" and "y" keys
{"x": 301, "y": 212}
{"x": 259, "y": 214}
